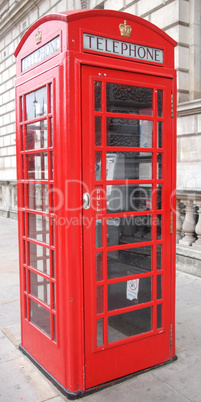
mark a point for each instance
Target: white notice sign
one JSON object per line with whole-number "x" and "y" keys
{"x": 132, "y": 289}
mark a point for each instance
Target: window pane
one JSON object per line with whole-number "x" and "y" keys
{"x": 98, "y": 164}
{"x": 159, "y": 166}
{"x": 128, "y": 166}
{"x": 40, "y": 288}
{"x": 97, "y": 95}
{"x": 132, "y": 229}
{"x": 98, "y": 233}
{"x": 99, "y": 299}
{"x": 125, "y": 198}
{"x": 125, "y": 325}
{"x": 120, "y": 295}
{"x": 159, "y": 257}
{"x": 36, "y": 135}
{"x": 98, "y": 130}
{"x": 36, "y": 104}
{"x": 99, "y": 267}
{"x": 159, "y": 316}
{"x": 160, "y": 102}
{"x": 38, "y": 227}
{"x": 159, "y": 227}
{"x": 40, "y": 317}
{"x": 37, "y": 165}
{"x": 129, "y": 133}
{"x": 159, "y": 287}
{"x": 130, "y": 261}
{"x": 159, "y": 196}
{"x": 100, "y": 332}
{"x": 159, "y": 134}
{"x": 129, "y": 99}
{"x": 38, "y": 196}
{"x": 39, "y": 258}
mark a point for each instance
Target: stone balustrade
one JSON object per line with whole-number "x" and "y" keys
{"x": 8, "y": 199}
{"x": 188, "y": 231}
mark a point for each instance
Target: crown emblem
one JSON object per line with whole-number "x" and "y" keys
{"x": 38, "y": 37}
{"x": 125, "y": 29}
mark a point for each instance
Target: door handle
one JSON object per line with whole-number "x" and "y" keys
{"x": 86, "y": 199}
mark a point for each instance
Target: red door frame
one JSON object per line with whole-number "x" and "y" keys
{"x": 110, "y": 360}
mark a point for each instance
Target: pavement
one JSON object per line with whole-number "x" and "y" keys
{"x": 20, "y": 380}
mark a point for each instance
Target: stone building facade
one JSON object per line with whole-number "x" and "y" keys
{"x": 181, "y": 19}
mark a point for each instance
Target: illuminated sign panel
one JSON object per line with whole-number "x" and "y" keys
{"x": 121, "y": 48}
{"x": 41, "y": 54}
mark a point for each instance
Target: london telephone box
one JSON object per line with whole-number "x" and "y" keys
{"x": 96, "y": 151}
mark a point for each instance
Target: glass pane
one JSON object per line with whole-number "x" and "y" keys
{"x": 98, "y": 130}
{"x": 22, "y": 138}
{"x": 38, "y": 227}
{"x": 98, "y": 233}
{"x": 51, "y": 166}
{"x": 129, "y": 324}
{"x": 40, "y": 317}
{"x": 50, "y": 100}
{"x": 51, "y": 133}
{"x": 125, "y": 198}
{"x": 40, "y": 288}
{"x": 159, "y": 316}
{"x": 97, "y": 95}
{"x": 37, "y": 165}
{"x": 99, "y": 299}
{"x": 159, "y": 166}
{"x": 54, "y": 295}
{"x": 36, "y": 104}
{"x": 159, "y": 287}
{"x": 98, "y": 164}
{"x": 159, "y": 196}
{"x": 159, "y": 134}
{"x": 53, "y": 264}
{"x": 53, "y": 231}
{"x": 36, "y": 135}
{"x": 159, "y": 259}
{"x": 121, "y": 294}
{"x": 130, "y": 261}
{"x": 128, "y": 166}
{"x": 160, "y": 102}
{"x": 99, "y": 267}
{"x": 54, "y": 328}
{"x": 129, "y": 99}
{"x": 100, "y": 332}
{"x": 39, "y": 258}
{"x": 21, "y": 112}
{"x": 159, "y": 227}
{"x": 129, "y": 133}
{"x": 38, "y": 196}
{"x": 128, "y": 230}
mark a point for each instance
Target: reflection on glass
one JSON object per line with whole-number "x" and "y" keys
{"x": 98, "y": 165}
{"x": 36, "y": 135}
{"x": 159, "y": 316}
{"x": 159, "y": 257}
{"x": 36, "y": 103}
{"x": 160, "y": 102}
{"x": 130, "y": 261}
{"x": 125, "y": 198}
{"x": 159, "y": 134}
{"x": 159, "y": 166}
{"x": 40, "y": 288}
{"x": 159, "y": 227}
{"x": 38, "y": 227}
{"x": 118, "y": 296}
{"x": 37, "y": 165}
{"x": 98, "y": 130}
{"x": 129, "y": 99}
{"x": 122, "y": 326}
{"x": 159, "y": 196}
{"x": 99, "y": 267}
{"x": 159, "y": 287}
{"x": 99, "y": 299}
{"x": 100, "y": 332}
{"x": 40, "y": 317}
{"x": 132, "y": 229}
{"x": 38, "y": 196}
{"x": 98, "y": 233}
{"x": 39, "y": 258}
{"x": 128, "y": 166}
{"x": 129, "y": 132}
{"x": 97, "y": 95}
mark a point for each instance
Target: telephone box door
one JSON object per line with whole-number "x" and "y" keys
{"x": 126, "y": 127}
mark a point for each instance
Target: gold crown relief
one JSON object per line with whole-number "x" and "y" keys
{"x": 125, "y": 29}
{"x": 38, "y": 37}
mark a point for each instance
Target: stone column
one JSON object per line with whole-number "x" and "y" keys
{"x": 197, "y": 244}
{"x": 188, "y": 225}
{"x": 178, "y": 222}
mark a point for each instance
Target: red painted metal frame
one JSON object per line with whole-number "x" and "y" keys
{"x": 65, "y": 359}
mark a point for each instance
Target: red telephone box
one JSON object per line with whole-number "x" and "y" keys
{"x": 96, "y": 151}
